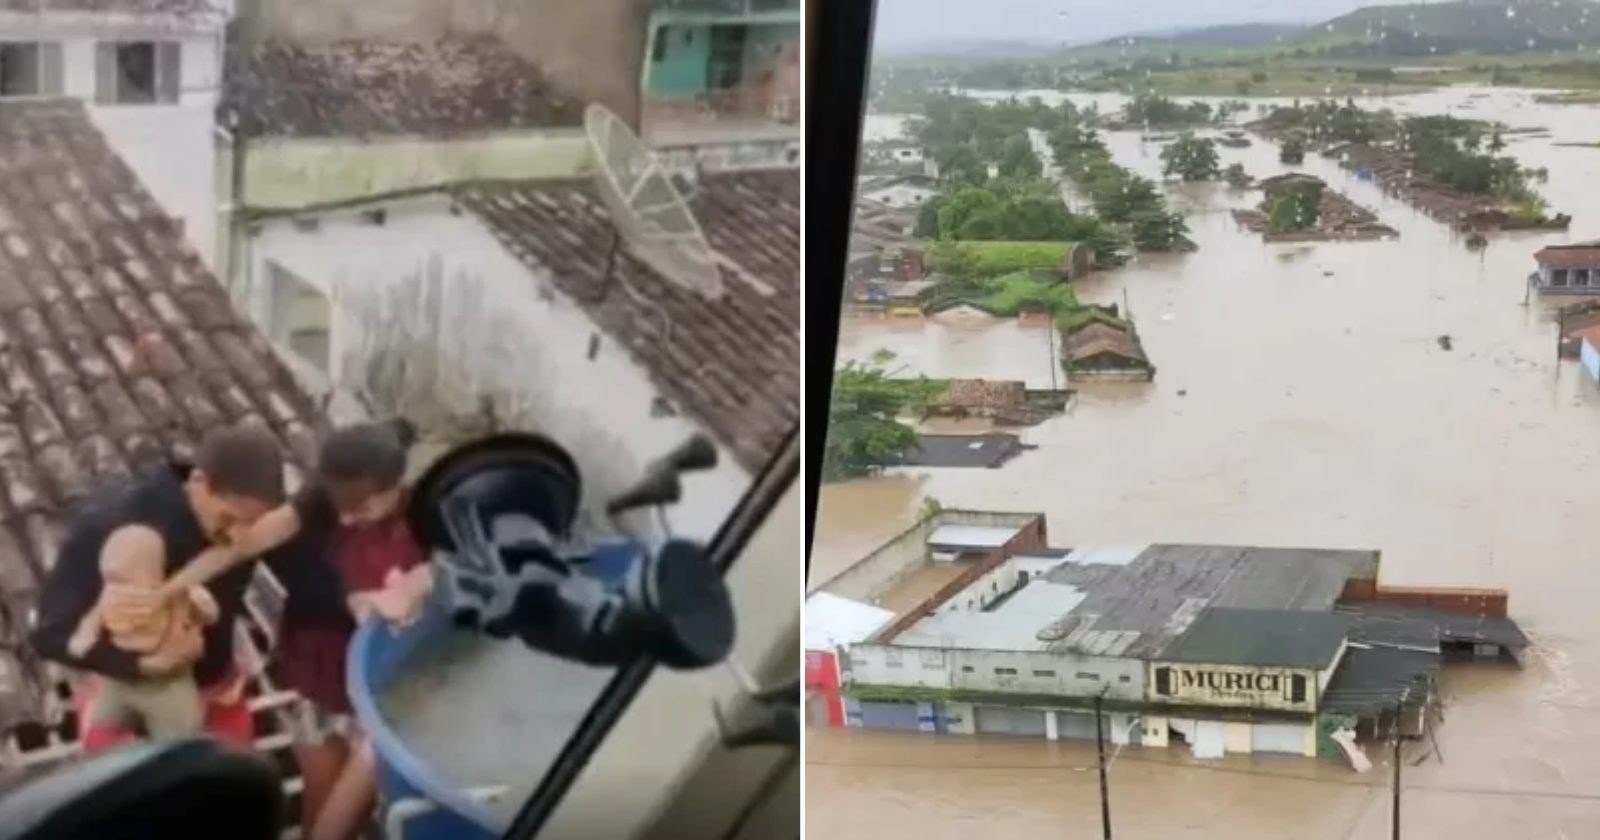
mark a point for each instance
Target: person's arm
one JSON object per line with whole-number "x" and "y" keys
{"x": 277, "y": 527}
{"x": 70, "y": 592}
{"x": 88, "y": 631}
{"x": 205, "y": 606}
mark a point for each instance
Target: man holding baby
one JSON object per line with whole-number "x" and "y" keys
{"x": 164, "y": 666}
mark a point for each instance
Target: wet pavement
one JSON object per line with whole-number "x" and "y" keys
{"x": 1302, "y": 398}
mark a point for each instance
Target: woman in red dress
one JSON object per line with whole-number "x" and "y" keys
{"x": 358, "y": 558}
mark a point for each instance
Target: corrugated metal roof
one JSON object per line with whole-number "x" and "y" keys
{"x": 1262, "y": 638}
{"x": 832, "y": 621}
{"x": 1014, "y": 625}
{"x": 1370, "y": 681}
{"x": 972, "y": 536}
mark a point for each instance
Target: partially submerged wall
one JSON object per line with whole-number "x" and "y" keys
{"x": 889, "y": 564}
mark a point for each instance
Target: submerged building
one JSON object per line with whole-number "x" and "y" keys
{"x": 1227, "y": 649}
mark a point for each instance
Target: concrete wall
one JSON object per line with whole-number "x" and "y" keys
{"x": 1037, "y": 673}
{"x": 286, "y": 173}
{"x": 437, "y": 289}
{"x": 593, "y": 50}
{"x": 283, "y": 173}
{"x": 984, "y": 591}
{"x": 888, "y": 564}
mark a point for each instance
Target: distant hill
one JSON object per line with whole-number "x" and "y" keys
{"x": 1232, "y": 36}
{"x": 1482, "y": 26}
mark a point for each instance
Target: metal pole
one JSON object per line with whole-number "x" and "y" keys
{"x": 1050, "y": 346}
{"x": 1397, "y": 773}
{"x": 1100, "y": 745}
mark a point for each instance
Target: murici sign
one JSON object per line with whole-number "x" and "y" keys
{"x": 1225, "y": 685}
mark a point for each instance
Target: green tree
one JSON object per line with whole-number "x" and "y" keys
{"x": 863, "y": 433}
{"x": 1237, "y": 177}
{"x": 1159, "y": 230}
{"x": 1190, "y": 158}
{"x": 1017, "y": 159}
{"x": 957, "y": 262}
{"x": 960, "y": 207}
{"x": 1293, "y": 151}
{"x": 1497, "y": 143}
{"x": 960, "y": 165}
{"x": 1296, "y": 209}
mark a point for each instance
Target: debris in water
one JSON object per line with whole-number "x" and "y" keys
{"x": 1327, "y": 274}
{"x": 1444, "y": 342}
{"x": 1183, "y": 392}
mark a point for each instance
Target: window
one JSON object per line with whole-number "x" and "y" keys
{"x": 966, "y": 669}
{"x": 725, "y": 67}
{"x": 138, "y": 72}
{"x": 19, "y": 70}
{"x": 1005, "y": 672}
{"x": 299, "y": 319}
{"x": 658, "y": 50}
{"x": 30, "y": 69}
{"x": 1044, "y": 673}
{"x": 1123, "y": 678}
{"x": 891, "y": 658}
{"x": 1085, "y": 675}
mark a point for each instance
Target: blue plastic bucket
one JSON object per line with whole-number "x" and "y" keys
{"x": 415, "y": 801}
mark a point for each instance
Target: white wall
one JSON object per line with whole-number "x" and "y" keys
{"x": 985, "y": 590}
{"x": 170, "y": 149}
{"x": 902, "y": 195}
{"x": 1061, "y": 674}
{"x": 495, "y": 328}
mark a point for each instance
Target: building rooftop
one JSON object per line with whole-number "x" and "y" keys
{"x": 832, "y": 621}
{"x": 985, "y": 451}
{"x": 733, "y": 362}
{"x": 1576, "y": 255}
{"x": 170, "y": 8}
{"x": 116, "y": 346}
{"x": 1393, "y": 625}
{"x": 363, "y": 89}
{"x": 1373, "y": 680}
{"x": 1136, "y": 600}
{"x": 1261, "y": 638}
{"x": 950, "y": 537}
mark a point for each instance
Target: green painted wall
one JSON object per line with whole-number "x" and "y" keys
{"x": 296, "y": 173}
{"x": 684, "y": 50}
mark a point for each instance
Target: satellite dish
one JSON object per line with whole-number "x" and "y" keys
{"x": 649, "y": 212}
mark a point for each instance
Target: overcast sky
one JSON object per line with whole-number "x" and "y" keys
{"x": 920, "y": 23}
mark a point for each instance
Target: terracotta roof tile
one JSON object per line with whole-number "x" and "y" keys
{"x": 1578, "y": 255}
{"x": 116, "y": 344}
{"x": 361, "y": 88}
{"x": 732, "y": 363}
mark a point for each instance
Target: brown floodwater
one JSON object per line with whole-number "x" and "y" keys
{"x": 1302, "y": 398}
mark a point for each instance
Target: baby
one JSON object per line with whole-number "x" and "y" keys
{"x": 168, "y": 707}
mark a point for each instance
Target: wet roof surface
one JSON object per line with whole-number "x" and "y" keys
{"x": 962, "y": 451}
{"x": 116, "y": 344}
{"x": 358, "y": 89}
{"x": 1390, "y": 624}
{"x": 733, "y": 362}
{"x": 1263, "y": 638}
{"x": 1137, "y": 607}
{"x": 1375, "y": 680}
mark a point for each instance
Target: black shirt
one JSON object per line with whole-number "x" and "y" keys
{"x": 155, "y": 499}
{"x": 304, "y": 565}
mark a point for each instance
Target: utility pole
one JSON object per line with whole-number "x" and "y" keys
{"x": 1397, "y": 770}
{"x": 1050, "y": 346}
{"x": 1100, "y": 746}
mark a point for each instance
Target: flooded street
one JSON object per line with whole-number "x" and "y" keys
{"x": 1302, "y": 398}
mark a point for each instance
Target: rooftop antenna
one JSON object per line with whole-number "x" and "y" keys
{"x": 649, "y": 212}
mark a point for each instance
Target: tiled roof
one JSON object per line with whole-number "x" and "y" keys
{"x": 359, "y": 88}
{"x": 1578, "y": 255}
{"x": 116, "y": 344}
{"x": 1098, "y": 337}
{"x": 179, "y": 8}
{"x": 732, "y": 363}
{"x": 984, "y": 393}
